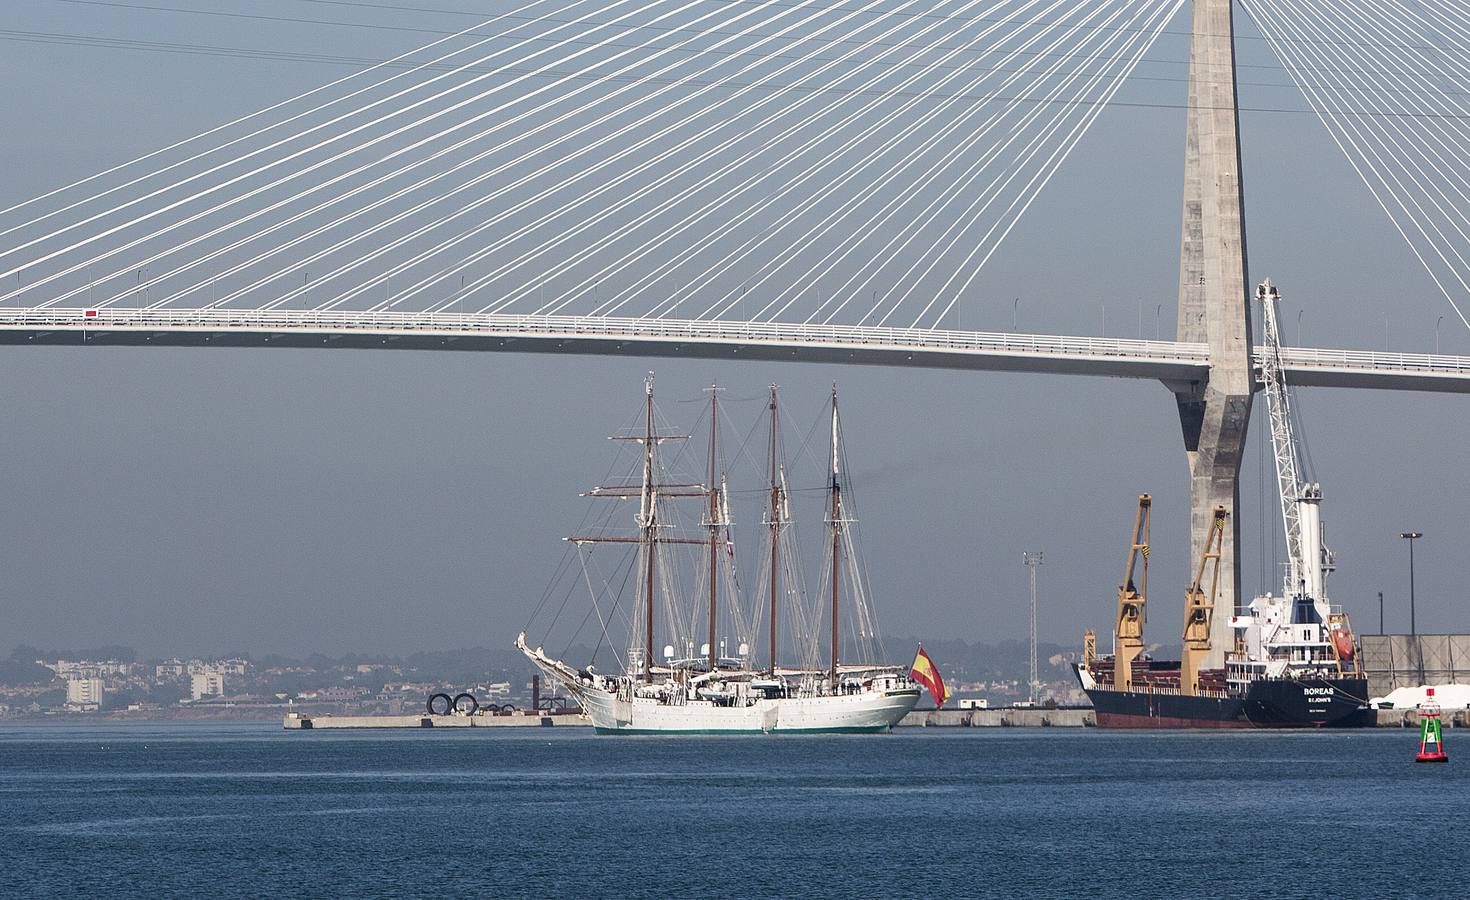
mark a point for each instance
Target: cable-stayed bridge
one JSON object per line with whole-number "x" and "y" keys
{"x": 1166, "y": 361}
{"x": 761, "y": 179}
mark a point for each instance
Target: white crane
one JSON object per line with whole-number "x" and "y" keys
{"x": 1308, "y": 559}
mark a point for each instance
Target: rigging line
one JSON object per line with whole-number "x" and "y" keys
{"x": 1405, "y": 15}
{"x": 1055, "y": 163}
{"x": 238, "y": 121}
{"x": 399, "y": 152}
{"x": 1437, "y": 188}
{"x": 1184, "y": 33}
{"x": 1419, "y": 221}
{"x": 1456, "y": 135}
{"x": 977, "y": 166}
{"x": 1456, "y": 19}
{"x": 808, "y": 279}
{"x": 271, "y": 165}
{"x": 967, "y": 178}
{"x": 874, "y": 261}
{"x": 519, "y": 136}
{"x": 664, "y": 177}
{"x": 1409, "y": 142}
{"x": 598, "y": 607}
{"x": 896, "y": 202}
{"x": 482, "y": 252}
{"x": 670, "y": 152}
{"x": 303, "y": 21}
{"x": 722, "y": 305}
{"x": 310, "y": 168}
{"x": 1252, "y": 8}
{"x": 667, "y": 29}
{"x": 788, "y": 185}
{"x": 769, "y": 173}
{"x": 269, "y": 54}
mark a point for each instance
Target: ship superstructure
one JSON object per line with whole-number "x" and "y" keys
{"x": 714, "y": 689}
{"x": 1294, "y": 662}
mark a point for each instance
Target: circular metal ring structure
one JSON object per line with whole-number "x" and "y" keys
{"x": 468, "y": 709}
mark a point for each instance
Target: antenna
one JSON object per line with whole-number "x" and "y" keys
{"x": 1032, "y": 559}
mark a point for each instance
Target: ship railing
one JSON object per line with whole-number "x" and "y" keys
{"x": 1161, "y": 689}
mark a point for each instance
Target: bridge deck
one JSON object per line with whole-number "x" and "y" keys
{"x": 924, "y": 348}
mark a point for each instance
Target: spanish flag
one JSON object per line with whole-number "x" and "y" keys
{"x": 927, "y": 674}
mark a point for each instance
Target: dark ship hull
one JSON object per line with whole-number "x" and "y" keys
{"x": 1268, "y": 703}
{"x": 1135, "y": 709}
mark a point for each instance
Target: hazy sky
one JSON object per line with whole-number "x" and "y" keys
{"x": 186, "y": 501}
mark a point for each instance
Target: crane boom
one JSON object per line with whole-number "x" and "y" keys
{"x": 1132, "y": 602}
{"x": 1199, "y": 607}
{"x": 1308, "y": 559}
{"x": 1283, "y": 441}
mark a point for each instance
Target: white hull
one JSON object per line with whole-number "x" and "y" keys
{"x": 876, "y": 708}
{"x": 870, "y": 711}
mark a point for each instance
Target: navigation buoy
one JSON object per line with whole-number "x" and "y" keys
{"x": 1431, "y": 739}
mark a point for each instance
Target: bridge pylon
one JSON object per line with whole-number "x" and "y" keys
{"x": 1214, "y": 303}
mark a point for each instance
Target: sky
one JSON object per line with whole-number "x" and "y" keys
{"x": 298, "y": 501}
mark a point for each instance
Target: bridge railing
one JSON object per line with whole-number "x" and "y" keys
{"x": 600, "y": 326}
{"x": 451, "y": 324}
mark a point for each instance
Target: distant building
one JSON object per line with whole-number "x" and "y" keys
{"x": 206, "y": 684}
{"x": 170, "y": 669}
{"x": 342, "y": 694}
{"x": 84, "y": 693}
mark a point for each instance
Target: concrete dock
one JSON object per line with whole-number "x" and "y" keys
{"x": 297, "y": 721}
{"x": 1001, "y": 717}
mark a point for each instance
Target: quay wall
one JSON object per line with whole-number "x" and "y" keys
{"x": 1034, "y": 717}
{"x": 1001, "y": 717}
{"x": 296, "y": 721}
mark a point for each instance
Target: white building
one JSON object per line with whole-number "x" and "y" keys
{"x": 173, "y": 668}
{"x": 84, "y": 693}
{"x": 206, "y": 684}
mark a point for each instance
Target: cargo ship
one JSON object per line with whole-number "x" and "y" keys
{"x": 1294, "y": 663}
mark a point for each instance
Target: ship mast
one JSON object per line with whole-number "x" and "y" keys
{"x": 836, "y": 540}
{"x": 713, "y": 522}
{"x": 647, "y": 521}
{"x": 774, "y": 522}
{"x": 649, "y": 491}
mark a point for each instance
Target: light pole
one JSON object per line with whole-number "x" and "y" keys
{"x": 1016, "y": 314}
{"x": 1033, "y": 561}
{"x": 1380, "y": 612}
{"x": 1158, "y": 314}
{"x": 1411, "y": 537}
{"x": 1437, "y": 323}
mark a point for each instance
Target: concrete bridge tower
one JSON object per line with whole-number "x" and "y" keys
{"x": 1214, "y": 306}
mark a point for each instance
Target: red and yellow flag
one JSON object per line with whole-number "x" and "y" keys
{"x": 927, "y": 674}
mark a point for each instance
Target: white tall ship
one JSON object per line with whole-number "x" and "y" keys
{"x": 712, "y": 690}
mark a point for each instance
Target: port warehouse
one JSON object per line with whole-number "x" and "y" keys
{"x": 1393, "y": 661}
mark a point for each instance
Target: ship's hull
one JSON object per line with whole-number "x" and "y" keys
{"x": 1310, "y": 703}
{"x": 1268, "y": 703}
{"x": 868, "y": 712}
{"x": 1134, "y": 709}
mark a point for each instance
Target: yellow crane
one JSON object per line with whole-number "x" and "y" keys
{"x": 1128, "y": 631}
{"x": 1199, "y": 608}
